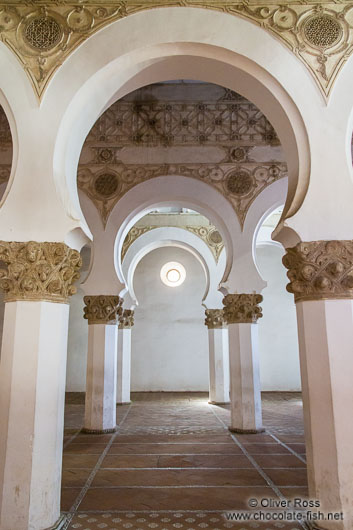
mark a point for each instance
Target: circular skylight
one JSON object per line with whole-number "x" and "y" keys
{"x": 173, "y": 274}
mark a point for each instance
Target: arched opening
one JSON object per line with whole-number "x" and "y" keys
{"x": 179, "y": 149}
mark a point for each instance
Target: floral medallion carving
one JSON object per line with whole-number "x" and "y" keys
{"x": 215, "y": 318}
{"x": 320, "y": 270}
{"x": 242, "y": 308}
{"x": 318, "y": 33}
{"x": 102, "y": 309}
{"x": 126, "y": 319}
{"x": 38, "y": 271}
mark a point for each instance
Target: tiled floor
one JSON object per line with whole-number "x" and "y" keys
{"x": 174, "y": 465}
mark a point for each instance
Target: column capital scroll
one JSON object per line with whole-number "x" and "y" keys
{"x": 215, "y": 318}
{"x": 38, "y": 271}
{"x": 126, "y": 319}
{"x": 242, "y": 308}
{"x": 320, "y": 270}
{"x": 102, "y": 309}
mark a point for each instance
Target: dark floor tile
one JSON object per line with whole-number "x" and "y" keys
{"x": 288, "y": 477}
{"x": 68, "y": 497}
{"x": 178, "y": 477}
{"x": 79, "y": 461}
{"x": 85, "y": 448}
{"x": 268, "y": 461}
{"x": 75, "y": 477}
{"x": 165, "y": 448}
{"x": 263, "y": 449}
{"x": 171, "y": 498}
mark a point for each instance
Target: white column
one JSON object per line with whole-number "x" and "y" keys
{"x": 245, "y": 391}
{"x": 102, "y": 312}
{"x": 32, "y": 395}
{"x": 321, "y": 279}
{"x": 124, "y": 366}
{"x": 218, "y": 365}
{"x": 325, "y": 330}
{"x": 100, "y": 405}
{"x": 241, "y": 312}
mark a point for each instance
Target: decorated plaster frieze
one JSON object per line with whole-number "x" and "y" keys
{"x": 215, "y": 318}
{"x": 209, "y": 234}
{"x": 224, "y": 121}
{"x": 43, "y": 34}
{"x": 239, "y": 183}
{"x": 320, "y": 270}
{"x": 126, "y": 319}
{"x": 102, "y": 309}
{"x": 231, "y": 124}
{"x": 38, "y": 271}
{"x": 242, "y": 308}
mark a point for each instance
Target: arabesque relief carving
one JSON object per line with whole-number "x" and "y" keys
{"x": 43, "y": 34}
{"x": 215, "y": 318}
{"x": 320, "y": 270}
{"x": 102, "y": 309}
{"x": 231, "y": 124}
{"x": 126, "y": 319}
{"x": 242, "y": 308}
{"x": 38, "y": 271}
{"x": 209, "y": 234}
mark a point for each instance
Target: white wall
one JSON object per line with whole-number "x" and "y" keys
{"x": 278, "y": 340}
{"x": 169, "y": 339}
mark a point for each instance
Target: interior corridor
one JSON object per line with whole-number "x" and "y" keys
{"x": 173, "y": 464}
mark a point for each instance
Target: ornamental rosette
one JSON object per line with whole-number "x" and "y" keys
{"x": 242, "y": 308}
{"x": 215, "y": 318}
{"x": 38, "y": 271}
{"x": 102, "y": 309}
{"x": 320, "y": 270}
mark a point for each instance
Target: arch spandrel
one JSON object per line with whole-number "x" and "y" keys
{"x": 320, "y": 35}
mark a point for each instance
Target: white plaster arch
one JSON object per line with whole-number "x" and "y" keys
{"x": 173, "y": 191}
{"x": 146, "y": 48}
{"x": 175, "y": 236}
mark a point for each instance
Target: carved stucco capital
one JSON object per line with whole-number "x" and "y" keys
{"x": 38, "y": 271}
{"x": 320, "y": 270}
{"x": 102, "y": 309}
{"x": 215, "y": 318}
{"x": 126, "y": 319}
{"x": 242, "y": 308}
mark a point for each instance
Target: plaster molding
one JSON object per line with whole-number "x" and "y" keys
{"x": 209, "y": 234}
{"x": 242, "y": 308}
{"x": 215, "y": 319}
{"x": 102, "y": 309}
{"x": 126, "y": 319}
{"x": 38, "y": 271}
{"x": 42, "y": 36}
{"x": 320, "y": 270}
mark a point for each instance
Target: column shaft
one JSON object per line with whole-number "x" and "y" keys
{"x": 124, "y": 366}
{"x": 246, "y": 415}
{"x": 100, "y": 406}
{"x": 32, "y": 392}
{"x": 218, "y": 365}
{"x": 325, "y": 330}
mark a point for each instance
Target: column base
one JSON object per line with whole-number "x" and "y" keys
{"x": 218, "y": 402}
{"x": 98, "y": 431}
{"x": 246, "y": 431}
{"x": 59, "y": 524}
{"x": 124, "y": 403}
